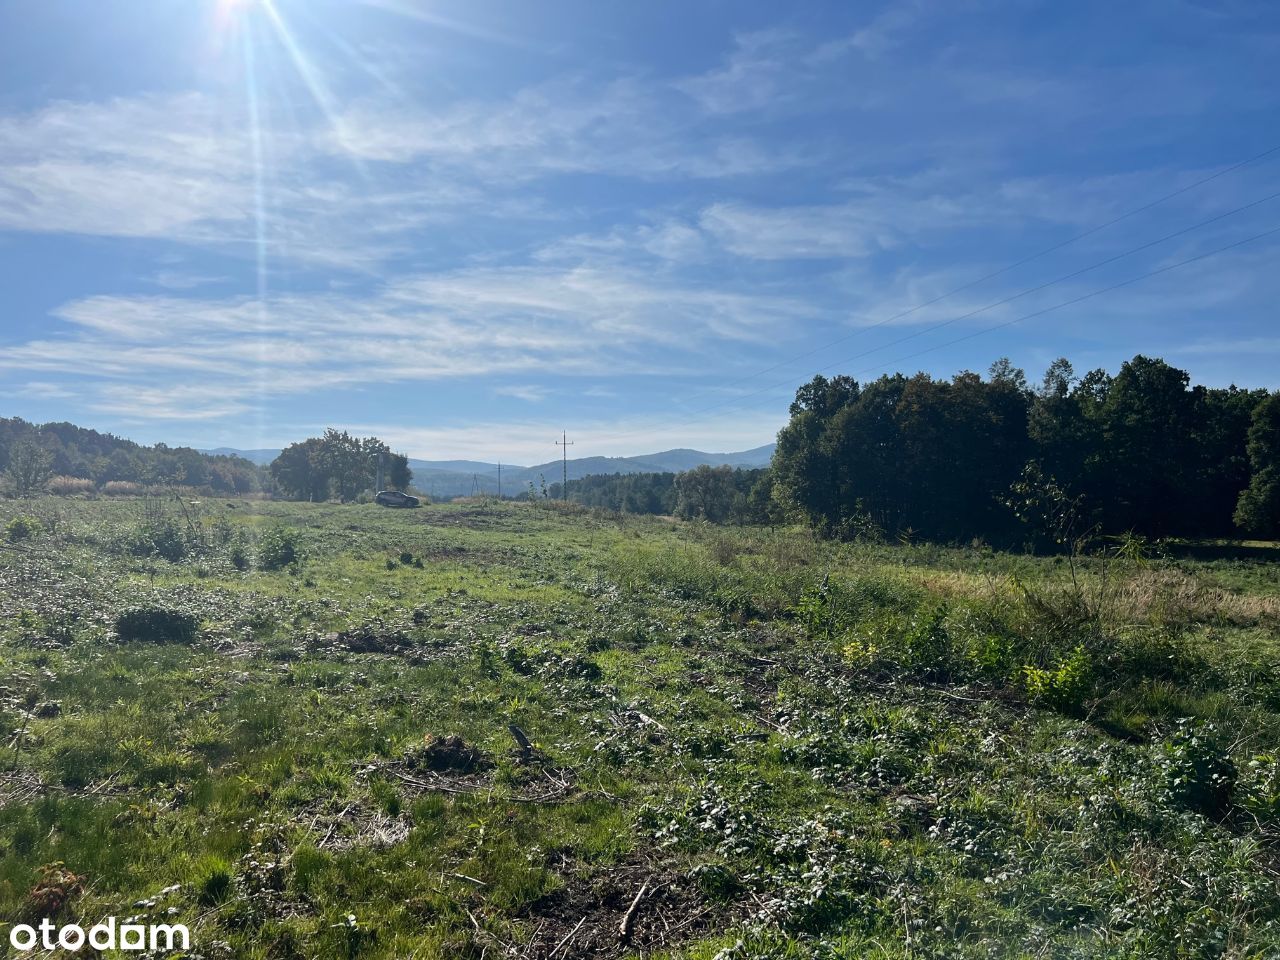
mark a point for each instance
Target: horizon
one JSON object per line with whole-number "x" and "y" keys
{"x": 466, "y": 228}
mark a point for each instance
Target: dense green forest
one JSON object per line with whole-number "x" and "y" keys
{"x": 951, "y": 460}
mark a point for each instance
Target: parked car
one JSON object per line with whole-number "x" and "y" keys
{"x": 394, "y": 498}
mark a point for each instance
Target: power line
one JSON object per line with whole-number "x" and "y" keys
{"x": 1028, "y": 316}
{"x": 1001, "y": 302}
{"x": 1003, "y": 270}
{"x": 1075, "y": 300}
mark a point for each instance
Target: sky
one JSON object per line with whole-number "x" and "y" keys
{"x": 466, "y": 227}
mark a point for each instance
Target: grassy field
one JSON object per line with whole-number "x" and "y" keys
{"x": 290, "y": 726}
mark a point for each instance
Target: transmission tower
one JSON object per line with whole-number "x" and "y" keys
{"x": 564, "y": 443}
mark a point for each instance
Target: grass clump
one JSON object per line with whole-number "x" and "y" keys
{"x": 213, "y": 880}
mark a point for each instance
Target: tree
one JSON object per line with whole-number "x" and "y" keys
{"x": 1143, "y": 469}
{"x": 399, "y": 476}
{"x": 338, "y": 465}
{"x": 1258, "y": 511}
{"x": 30, "y": 468}
{"x": 706, "y": 493}
{"x": 298, "y": 471}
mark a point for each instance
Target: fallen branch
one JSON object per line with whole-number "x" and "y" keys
{"x": 568, "y": 937}
{"x": 628, "y": 918}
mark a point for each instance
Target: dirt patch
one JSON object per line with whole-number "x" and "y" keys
{"x": 446, "y": 754}
{"x": 451, "y": 765}
{"x": 372, "y": 640}
{"x": 636, "y": 906}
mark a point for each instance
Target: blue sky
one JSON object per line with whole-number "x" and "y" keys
{"x": 609, "y": 218}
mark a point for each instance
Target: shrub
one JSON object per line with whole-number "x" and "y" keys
{"x": 1064, "y": 686}
{"x": 123, "y": 488}
{"x": 70, "y": 486}
{"x": 278, "y": 548}
{"x": 927, "y": 645}
{"x": 239, "y": 554}
{"x": 1197, "y": 772}
{"x": 1259, "y": 788}
{"x": 156, "y": 625}
{"x": 22, "y": 528}
{"x": 164, "y": 537}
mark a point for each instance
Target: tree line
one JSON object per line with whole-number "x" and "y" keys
{"x": 718, "y": 494}
{"x": 66, "y": 458}
{"x": 33, "y": 455}
{"x": 1141, "y": 451}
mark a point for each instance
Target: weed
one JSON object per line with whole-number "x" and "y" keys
{"x": 278, "y": 548}
{"x": 22, "y": 528}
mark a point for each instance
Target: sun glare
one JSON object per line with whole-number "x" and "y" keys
{"x": 227, "y": 12}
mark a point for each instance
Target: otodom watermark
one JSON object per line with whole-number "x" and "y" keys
{"x": 106, "y": 935}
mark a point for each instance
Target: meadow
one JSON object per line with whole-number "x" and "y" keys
{"x": 485, "y": 729}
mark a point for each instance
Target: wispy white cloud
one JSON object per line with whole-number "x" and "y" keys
{"x": 136, "y": 350}
{"x": 794, "y": 232}
{"x": 178, "y": 280}
{"x": 528, "y": 392}
{"x": 881, "y": 33}
{"x": 754, "y": 75}
{"x": 670, "y": 239}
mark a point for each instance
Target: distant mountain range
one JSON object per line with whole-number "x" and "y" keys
{"x": 456, "y": 478}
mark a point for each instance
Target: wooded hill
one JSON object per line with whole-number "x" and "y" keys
{"x": 44, "y": 452}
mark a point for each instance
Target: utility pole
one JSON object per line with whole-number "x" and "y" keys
{"x": 499, "y": 479}
{"x": 564, "y": 443}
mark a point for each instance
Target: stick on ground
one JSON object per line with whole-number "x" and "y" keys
{"x": 628, "y": 918}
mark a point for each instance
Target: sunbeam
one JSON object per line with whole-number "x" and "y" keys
{"x": 260, "y": 216}
{"x": 310, "y": 76}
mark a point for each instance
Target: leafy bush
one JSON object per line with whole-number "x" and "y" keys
{"x": 22, "y": 528}
{"x": 1196, "y": 770}
{"x": 1259, "y": 788}
{"x": 927, "y": 644}
{"x": 278, "y": 548}
{"x": 156, "y": 625}
{"x": 1064, "y": 686}
{"x": 239, "y": 554}
{"x": 163, "y": 537}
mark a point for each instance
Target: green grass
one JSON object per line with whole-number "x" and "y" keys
{"x": 799, "y": 748}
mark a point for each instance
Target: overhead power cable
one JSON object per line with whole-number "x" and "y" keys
{"x": 1067, "y": 303}
{"x": 735, "y": 401}
{"x": 1003, "y": 270}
